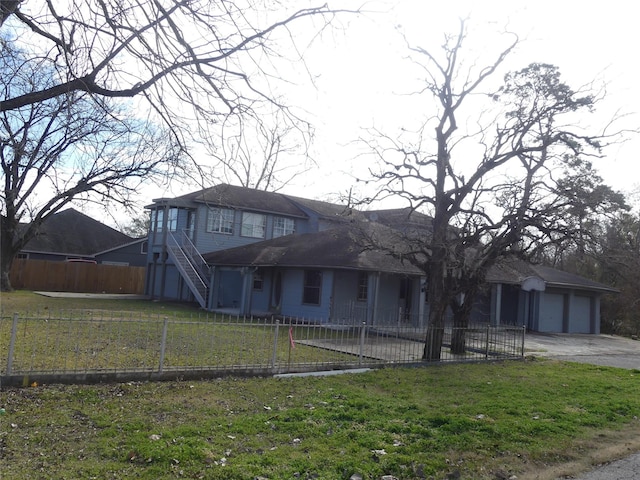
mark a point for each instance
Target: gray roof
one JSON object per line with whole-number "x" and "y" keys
{"x": 340, "y": 248}
{"x": 349, "y": 247}
{"x": 515, "y": 271}
{"x": 326, "y": 210}
{"x": 70, "y": 232}
{"x": 231, "y": 196}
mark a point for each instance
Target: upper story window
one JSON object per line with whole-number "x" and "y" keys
{"x": 157, "y": 219}
{"x": 253, "y": 225}
{"x": 363, "y": 287}
{"x": 172, "y": 220}
{"x": 312, "y": 286}
{"x": 220, "y": 220}
{"x": 283, "y": 226}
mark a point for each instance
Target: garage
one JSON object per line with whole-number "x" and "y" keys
{"x": 580, "y": 321}
{"x": 551, "y": 312}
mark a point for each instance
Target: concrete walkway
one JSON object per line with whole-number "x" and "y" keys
{"x": 99, "y": 296}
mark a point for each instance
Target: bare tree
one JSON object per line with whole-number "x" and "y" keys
{"x": 190, "y": 64}
{"x": 265, "y": 154}
{"x": 69, "y": 147}
{"x": 138, "y": 225}
{"x": 215, "y": 58}
{"x": 493, "y": 188}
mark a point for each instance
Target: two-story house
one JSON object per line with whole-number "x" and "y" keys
{"x": 254, "y": 252}
{"x": 219, "y": 218}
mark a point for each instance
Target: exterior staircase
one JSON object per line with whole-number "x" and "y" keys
{"x": 194, "y": 270}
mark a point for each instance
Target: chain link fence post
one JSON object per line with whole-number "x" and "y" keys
{"x": 163, "y": 344}
{"x": 274, "y": 355}
{"x": 12, "y": 344}
{"x": 363, "y": 333}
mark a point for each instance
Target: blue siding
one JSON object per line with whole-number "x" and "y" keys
{"x": 229, "y": 289}
{"x": 260, "y": 298}
{"x": 292, "y": 288}
{"x": 207, "y": 242}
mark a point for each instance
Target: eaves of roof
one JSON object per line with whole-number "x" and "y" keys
{"x": 231, "y": 196}
{"x": 515, "y": 271}
{"x": 338, "y": 248}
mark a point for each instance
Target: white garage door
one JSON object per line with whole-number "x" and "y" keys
{"x": 580, "y": 321}
{"x": 551, "y": 312}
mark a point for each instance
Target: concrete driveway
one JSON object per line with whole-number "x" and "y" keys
{"x": 606, "y": 350}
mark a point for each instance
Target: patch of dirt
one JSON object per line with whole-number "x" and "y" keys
{"x": 605, "y": 447}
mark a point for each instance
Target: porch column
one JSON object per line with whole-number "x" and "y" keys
{"x": 569, "y": 299}
{"x": 496, "y": 304}
{"x": 595, "y": 315}
{"x": 422, "y": 302}
{"x": 372, "y": 304}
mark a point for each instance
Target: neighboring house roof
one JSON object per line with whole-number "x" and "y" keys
{"x": 231, "y": 196}
{"x": 515, "y": 271}
{"x": 70, "y": 232}
{"x": 339, "y": 248}
{"x": 132, "y": 241}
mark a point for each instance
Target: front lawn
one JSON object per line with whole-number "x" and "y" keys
{"x": 468, "y": 421}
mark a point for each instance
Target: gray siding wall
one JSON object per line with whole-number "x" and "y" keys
{"x": 207, "y": 242}
{"x": 292, "y": 292}
{"x": 130, "y": 254}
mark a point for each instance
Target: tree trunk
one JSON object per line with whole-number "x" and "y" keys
{"x": 7, "y": 252}
{"x": 462, "y": 308}
{"x": 458, "y": 336}
{"x": 6, "y": 260}
{"x": 438, "y": 301}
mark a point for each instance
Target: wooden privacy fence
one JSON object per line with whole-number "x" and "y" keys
{"x": 76, "y": 277}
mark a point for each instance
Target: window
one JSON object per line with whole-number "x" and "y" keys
{"x": 363, "y": 281}
{"x": 157, "y": 219}
{"x": 312, "y": 284}
{"x": 144, "y": 247}
{"x": 220, "y": 220}
{"x": 253, "y": 225}
{"x": 22, "y": 255}
{"x": 283, "y": 226}
{"x": 258, "y": 280}
{"x": 172, "y": 220}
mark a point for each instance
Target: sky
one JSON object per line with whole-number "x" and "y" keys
{"x": 362, "y": 76}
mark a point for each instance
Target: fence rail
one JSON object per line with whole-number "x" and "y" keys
{"x": 91, "y": 344}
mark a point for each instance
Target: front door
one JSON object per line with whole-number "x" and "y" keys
{"x": 405, "y": 298}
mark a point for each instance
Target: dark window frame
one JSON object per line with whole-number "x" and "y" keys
{"x": 363, "y": 286}
{"x": 258, "y": 281}
{"x": 312, "y": 287}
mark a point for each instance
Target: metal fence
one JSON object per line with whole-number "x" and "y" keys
{"x": 93, "y": 346}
